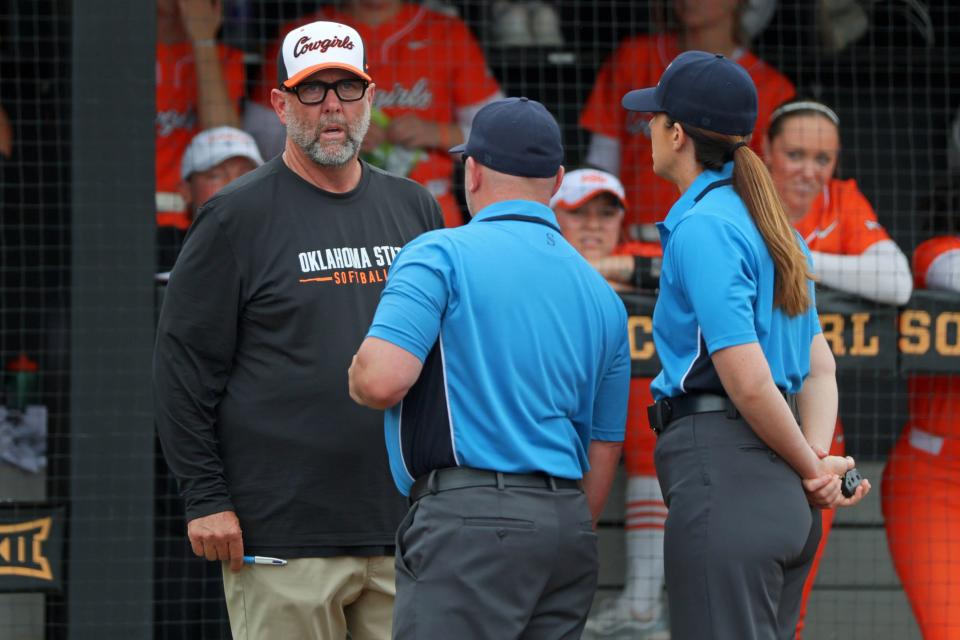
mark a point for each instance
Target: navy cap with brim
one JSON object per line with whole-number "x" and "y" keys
{"x": 517, "y": 137}
{"x": 642, "y": 100}
{"x": 704, "y": 90}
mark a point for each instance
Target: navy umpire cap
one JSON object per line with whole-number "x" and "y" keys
{"x": 516, "y": 136}
{"x": 704, "y": 90}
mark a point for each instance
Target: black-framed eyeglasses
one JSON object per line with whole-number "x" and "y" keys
{"x": 315, "y": 91}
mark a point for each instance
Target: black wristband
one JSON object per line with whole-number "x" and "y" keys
{"x": 646, "y": 272}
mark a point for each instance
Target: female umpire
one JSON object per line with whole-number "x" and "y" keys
{"x": 743, "y": 360}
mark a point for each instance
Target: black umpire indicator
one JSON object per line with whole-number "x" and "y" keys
{"x": 851, "y": 480}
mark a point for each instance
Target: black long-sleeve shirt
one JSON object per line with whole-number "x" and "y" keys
{"x": 270, "y": 298}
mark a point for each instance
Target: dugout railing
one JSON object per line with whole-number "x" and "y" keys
{"x": 77, "y": 290}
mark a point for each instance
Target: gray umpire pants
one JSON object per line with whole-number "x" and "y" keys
{"x": 740, "y": 536}
{"x": 495, "y": 564}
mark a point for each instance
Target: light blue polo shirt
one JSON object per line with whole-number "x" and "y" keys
{"x": 716, "y": 291}
{"x": 525, "y": 349}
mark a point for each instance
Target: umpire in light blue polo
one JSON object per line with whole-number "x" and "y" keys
{"x": 502, "y": 358}
{"x": 744, "y": 365}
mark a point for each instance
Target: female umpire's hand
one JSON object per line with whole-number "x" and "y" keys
{"x": 824, "y": 491}
{"x": 217, "y": 537}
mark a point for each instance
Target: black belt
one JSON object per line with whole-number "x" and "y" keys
{"x": 663, "y": 412}
{"x": 464, "y": 477}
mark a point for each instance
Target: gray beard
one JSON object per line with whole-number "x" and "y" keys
{"x": 329, "y": 154}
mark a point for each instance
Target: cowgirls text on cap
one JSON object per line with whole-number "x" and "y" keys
{"x": 320, "y": 45}
{"x": 304, "y": 45}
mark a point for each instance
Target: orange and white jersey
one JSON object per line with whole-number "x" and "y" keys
{"x": 841, "y": 221}
{"x": 639, "y": 62}
{"x": 177, "y": 120}
{"x": 422, "y": 62}
{"x": 936, "y": 263}
{"x": 935, "y": 400}
{"x": 851, "y": 250}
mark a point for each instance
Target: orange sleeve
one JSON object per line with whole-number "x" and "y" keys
{"x": 602, "y": 112}
{"x": 636, "y": 248}
{"x": 859, "y": 228}
{"x": 772, "y": 91}
{"x": 639, "y": 440}
{"x": 472, "y": 80}
{"x": 927, "y": 252}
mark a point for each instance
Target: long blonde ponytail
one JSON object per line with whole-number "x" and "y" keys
{"x": 753, "y": 184}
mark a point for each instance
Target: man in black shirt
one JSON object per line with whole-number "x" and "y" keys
{"x": 271, "y": 296}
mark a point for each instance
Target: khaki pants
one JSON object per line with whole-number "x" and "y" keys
{"x": 312, "y": 599}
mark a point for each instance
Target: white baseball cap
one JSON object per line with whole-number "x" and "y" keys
{"x": 581, "y": 185}
{"x": 320, "y": 45}
{"x": 212, "y": 146}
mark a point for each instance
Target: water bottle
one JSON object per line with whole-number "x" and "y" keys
{"x": 21, "y": 382}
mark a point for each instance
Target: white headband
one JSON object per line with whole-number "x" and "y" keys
{"x": 805, "y": 105}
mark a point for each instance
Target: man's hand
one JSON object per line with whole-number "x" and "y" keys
{"x": 201, "y": 18}
{"x": 617, "y": 270}
{"x": 217, "y": 537}
{"x": 376, "y": 135}
{"x": 414, "y": 133}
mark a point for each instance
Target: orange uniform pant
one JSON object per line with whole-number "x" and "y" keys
{"x": 921, "y": 506}
{"x": 640, "y": 440}
{"x": 837, "y": 448}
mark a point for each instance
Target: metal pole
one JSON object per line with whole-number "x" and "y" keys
{"x": 110, "y": 545}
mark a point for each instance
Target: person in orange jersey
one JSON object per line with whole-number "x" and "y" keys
{"x": 921, "y": 505}
{"x": 199, "y": 85}
{"x": 851, "y": 251}
{"x": 590, "y": 208}
{"x": 620, "y": 140}
{"x": 432, "y": 79}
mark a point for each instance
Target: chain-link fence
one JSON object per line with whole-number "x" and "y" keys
{"x": 95, "y": 204}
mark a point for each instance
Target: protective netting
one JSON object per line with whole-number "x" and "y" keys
{"x": 95, "y": 204}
